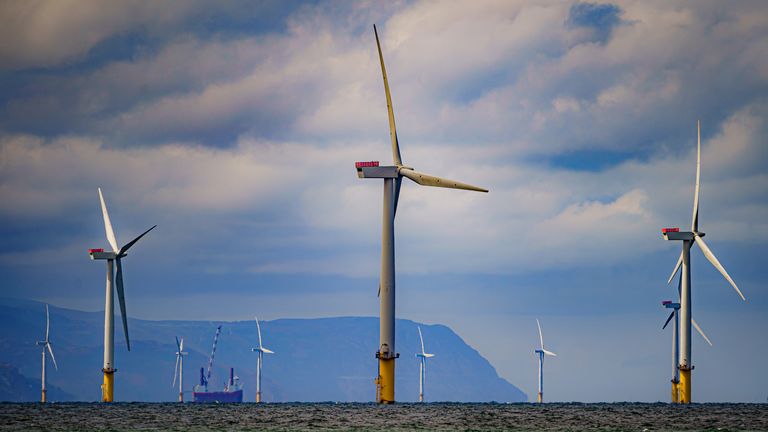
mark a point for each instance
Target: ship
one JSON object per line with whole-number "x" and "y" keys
{"x": 233, "y": 390}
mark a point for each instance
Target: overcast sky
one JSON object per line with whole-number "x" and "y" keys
{"x": 234, "y": 126}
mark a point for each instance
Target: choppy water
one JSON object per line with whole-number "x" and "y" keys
{"x": 549, "y": 417}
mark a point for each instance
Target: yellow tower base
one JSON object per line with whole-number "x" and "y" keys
{"x": 258, "y": 397}
{"x": 385, "y": 385}
{"x": 685, "y": 385}
{"x": 675, "y": 392}
{"x": 43, "y": 398}
{"x": 541, "y": 399}
{"x": 108, "y": 388}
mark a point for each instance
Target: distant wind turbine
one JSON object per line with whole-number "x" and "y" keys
{"x": 423, "y": 356}
{"x": 178, "y": 371}
{"x": 542, "y": 352}
{"x": 685, "y": 363}
{"x": 261, "y": 350}
{"x": 117, "y": 253}
{"x": 46, "y": 344}
{"x": 393, "y": 176}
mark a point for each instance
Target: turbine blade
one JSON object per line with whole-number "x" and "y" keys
{"x": 421, "y": 339}
{"x": 378, "y": 293}
{"x": 398, "y": 184}
{"x": 549, "y": 353}
{"x": 677, "y": 267}
{"x": 680, "y": 286}
{"x": 175, "y": 371}
{"x": 47, "y": 323}
{"x": 121, "y": 298}
{"x": 107, "y": 224}
{"x": 672, "y": 315}
{"x": 181, "y": 346}
{"x": 267, "y": 351}
{"x": 178, "y": 345}
{"x": 258, "y": 329}
{"x": 541, "y": 338}
{"x": 430, "y": 180}
{"x": 390, "y": 111}
{"x": 125, "y": 248}
{"x": 701, "y": 332}
{"x": 695, "y": 219}
{"x": 50, "y": 350}
{"x": 428, "y": 355}
{"x": 713, "y": 259}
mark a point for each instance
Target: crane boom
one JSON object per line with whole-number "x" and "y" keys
{"x": 213, "y": 353}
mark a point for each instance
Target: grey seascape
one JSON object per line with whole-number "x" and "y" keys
{"x": 351, "y": 416}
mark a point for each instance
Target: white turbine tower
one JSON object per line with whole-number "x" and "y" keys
{"x": 117, "y": 253}
{"x": 261, "y": 350}
{"x": 46, "y": 344}
{"x": 676, "y": 341}
{"x": 393, "y": 176}
{"x": 542, "y": 352}
{"x": 685, "y": 363}
{"x": 179, "y": 369}
{"x": 423, "y": 356}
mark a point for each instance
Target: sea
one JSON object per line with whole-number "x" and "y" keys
{"x": 398, "y": 417}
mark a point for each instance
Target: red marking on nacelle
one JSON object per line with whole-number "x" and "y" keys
{"x": 669, "y": 230}
{"x": 366, "y": 164}
{"x": 95, "y": 250}
{"x": 666, "y": 302}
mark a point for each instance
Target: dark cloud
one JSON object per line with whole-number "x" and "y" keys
{"x": 602, "y": 18}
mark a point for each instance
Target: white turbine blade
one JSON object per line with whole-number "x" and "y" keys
{"x": 541, "y": 338}
{"x": 50, "y": 350}
{"x": 430, "y": 180}
{"x": 428, "y": 355}
{"x": 677, "y": 267}
{"x": 258, "y": 328}
{"x": 47, "y": 323}
{"x": 421, "y": 339}
{"x": 107, "y": 224}
{"x": 549, "y": 353}
{"x": 175, "y": 371}
{"x": 267, "y": 351}
{"x": 701, "y": 332}
{"x": 390, "y": 111}
{"x": 713, "y": 259}
{"x": 181, "y": 345}
{"x": 695, "y": 219}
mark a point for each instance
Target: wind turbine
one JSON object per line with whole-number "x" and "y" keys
{"x": 393, "y": 176}
{"x": 46, "y": 344}
{"x": 676, "y": 342}
{"x": 261, "y": 350}
{"x": 423, "y": 356}
{"x": 117, "y": 253}
{"x": 542, "y": 352}
{"x": 688, "y": 238}
{"x": 179, "y": 369}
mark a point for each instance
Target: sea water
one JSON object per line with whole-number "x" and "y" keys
{"x": 406, "y": 416}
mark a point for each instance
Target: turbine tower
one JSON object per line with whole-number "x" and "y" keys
{"x": 423, "y": 356}
{"x": 259, "y": 361}
{"x": 676, "y": 341}
{"x": 685, "y": 363}
{"x": 542, "y": 352}
{"x": 392, "y": 176}
{"x": 46, "y": 344}
{"x": 117, "y": 253}
{"x": 178, "y": 371}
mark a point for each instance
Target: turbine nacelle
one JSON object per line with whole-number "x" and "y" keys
{"x": 99, "y": 254}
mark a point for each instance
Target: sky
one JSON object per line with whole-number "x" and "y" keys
{"x": 234, "y": 127}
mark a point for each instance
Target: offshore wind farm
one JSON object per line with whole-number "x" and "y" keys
{"x": 234, "y": 129}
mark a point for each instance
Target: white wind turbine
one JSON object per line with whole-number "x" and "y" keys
{"x": 46, "y": 344}
{"x": 423, "y": 356}
{"x": 688, "y": 238}
{"x": 117, "y": 253}
{"x": 542, "y": 352}
{"x": 179, "y": 369}
{"x": 261, "y": 350}
{"x": 393, "y": 177}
